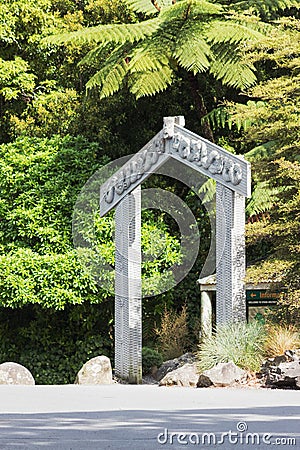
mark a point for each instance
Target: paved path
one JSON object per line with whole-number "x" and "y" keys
{"x": 122, "y": 417}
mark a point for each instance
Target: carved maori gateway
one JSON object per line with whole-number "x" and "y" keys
{"x": 122, "y": 190}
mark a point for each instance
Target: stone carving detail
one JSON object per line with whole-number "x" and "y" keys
{"x": 134, "y": 170}
{"x": 196, "y": 151}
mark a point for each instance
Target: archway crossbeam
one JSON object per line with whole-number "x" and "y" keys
{"x": 177, "y": 142}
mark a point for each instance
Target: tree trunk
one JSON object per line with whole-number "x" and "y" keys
{"x": 200, "y": 107}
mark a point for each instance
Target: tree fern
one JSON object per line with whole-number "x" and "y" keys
{"x": 196, "y": 35}
{"x": 149, "y": 83}
{"x": 191, "y": 50}
{"x": 116, "y": 33}
{"x": 263, "y": 198}
{"x": 111, "y": 76}
{"x": 264, "y": 7}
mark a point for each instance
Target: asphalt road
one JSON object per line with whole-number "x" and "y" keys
{"x": 123, "y": 417}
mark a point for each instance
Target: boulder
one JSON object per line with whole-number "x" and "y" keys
{"x": 95, "y": 371}
{"x": 282, "y": 371}
{"x": 186, "y": 376}
{"x": 13, "y": 373}
{"x": 223, "y": 374}
{"x": 173, "y": 364}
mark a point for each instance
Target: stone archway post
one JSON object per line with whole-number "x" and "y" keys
{"x": 128, "y": 289}
{"x": 230, "y": 256}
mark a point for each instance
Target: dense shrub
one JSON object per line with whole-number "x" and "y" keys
{"x": 151, "y": 358}
{"x": 54, "y": 345}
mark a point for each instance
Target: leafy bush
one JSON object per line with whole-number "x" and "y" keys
{"x": 150, "y": 358}
{"x": 173, "y": 333}
{"x": 54, "y": 345}
{"x": 279, "y": 339}
{"x": 239, "y": 342}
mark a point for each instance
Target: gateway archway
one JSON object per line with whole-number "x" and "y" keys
{"x": 123, "y": 192}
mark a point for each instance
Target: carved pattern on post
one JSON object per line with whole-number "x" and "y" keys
{"x": 230, "y": 248}
{"x": 128, "y": 311}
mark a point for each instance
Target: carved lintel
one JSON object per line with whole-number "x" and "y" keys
{"x": 195, "y": 151}
{"x": 141, "y": 164}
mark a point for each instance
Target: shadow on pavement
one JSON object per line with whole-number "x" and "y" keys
{"x": 139, "y": 429}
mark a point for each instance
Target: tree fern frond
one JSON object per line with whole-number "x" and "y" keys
{"x": 117, "y": 33}
{"x": 142, "y": 6}
{"x": 147, "y": 6}
{"x": 208, "y": 190}
{"x": 218, "y": 118}
{"x": 265, "y": 7}
{"x": 144, "y": 58}
{"x": 191, "y": 51}
{"x": 231, "y": 69}
{"x": 93, "y": 55}
{"x": 193, "y": 56}
{"x": 221, "y": 32}
{"x": 149, "y": 83}
{"x": 112, "y": 74}
{"x": 264, "y": 197}
{"x": 202, "y": 8}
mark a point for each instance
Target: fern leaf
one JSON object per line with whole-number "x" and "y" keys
{"x": 146, "y": 58}
{"x": 208, "y": 190}
{"x": 112, "y": 74}
{"x": 93, "y": 55}
{"x": 147, "y": 7}
{"x": 116, "y": 33}
{"x": 149, "y": 83}
{"x": 202, "y": 8}
{"x": 264, "y": 197}
{"x": 222, "y": 32}
{"x": 142, "y": 6}
{"x": 191, "y": 51}
{"x": 231, "y": 69}
{"x": 265, "y": 7}
{"x": 218, "y": 117}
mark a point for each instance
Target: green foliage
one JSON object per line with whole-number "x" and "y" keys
{"x": 241, "y": 343}
{"x": 49, "y": 113}
{"x": 54, "y": 345}
{"x": 185, "y": 34}
{"x": 15, "y": 79}
{"x": 274, "y": 132}
{"x": 40, "y": 180}
{"x": 263, "y": 199}
{"x": 151, "y": 358}
{"x": 52, "y": 281}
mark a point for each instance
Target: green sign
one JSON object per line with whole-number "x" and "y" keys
{"x": 258, "y": 296}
